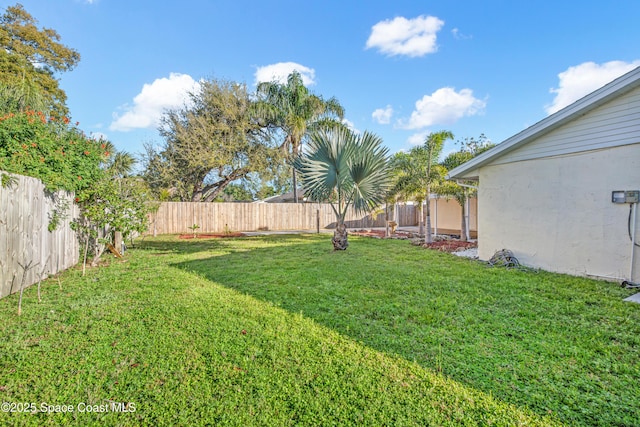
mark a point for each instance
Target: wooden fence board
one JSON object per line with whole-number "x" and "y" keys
{"x": 25, "y": 212}
{"x": 177, "y": 217}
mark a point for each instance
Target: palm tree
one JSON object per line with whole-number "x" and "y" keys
{"x": 118, "y": 164}
{"x": 296, "y": 111}
{"x": 411, "y": 177}
{"x": 20, "y": 98}
{"x": 346, "y": 170}
{"x": 433, "y": 145}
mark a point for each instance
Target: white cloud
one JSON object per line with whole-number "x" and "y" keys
{"x": 351, "y": 126}
{"x": 418, "y": 138}
{"x": 459, "y": 36}
{"x": 443, "y": 107}
{"x": 98, "y": 136}
{"x": 401, "y": 36}
{"x": 280, "y": 71}
{"x": 153, "y": 100}
{"x": 580, "y": 80}
{"x": 383, "y": 115}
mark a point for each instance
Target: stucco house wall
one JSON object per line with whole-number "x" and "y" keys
{"x": 556, "y": 213}
{"x": 448, "y": 214}
{"x": 545, "y": 193}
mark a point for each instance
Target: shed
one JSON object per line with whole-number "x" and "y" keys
{"x": 546, "y": 192}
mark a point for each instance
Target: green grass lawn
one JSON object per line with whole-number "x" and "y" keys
{"x": 281, "y": 330}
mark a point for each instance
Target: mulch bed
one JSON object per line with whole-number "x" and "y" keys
{"x": 450, "y": 245}
{"x": 211, "y": 236}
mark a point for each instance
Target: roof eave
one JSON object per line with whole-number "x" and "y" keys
{"x": 619, "y": 86}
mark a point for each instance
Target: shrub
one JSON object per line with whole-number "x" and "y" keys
{"x": 54, "y": 151}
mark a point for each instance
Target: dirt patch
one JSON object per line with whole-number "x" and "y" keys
{"x": 450, "y": 245}
{"x": 380, "y": 234}
{"x": 210, "y": 235}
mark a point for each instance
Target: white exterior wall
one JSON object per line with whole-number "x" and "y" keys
{"x": 446, "y": 214}
{"x": 556, "y": 213}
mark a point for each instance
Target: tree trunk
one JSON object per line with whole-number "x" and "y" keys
{"x": 197, "y": 193}
{"x": 427, "y": 231}
{"x": 339, "y": 240}
{"x": 117, "y": 241}
{"x": 421, "y": 223}
{"x": 386, "y": 220}
{"x": 99, "y": 247}
{"x": 295, "y": 186}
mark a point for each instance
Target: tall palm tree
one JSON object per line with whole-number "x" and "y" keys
{"x": 411, "y": 178}
{"x": 433, "y": 145}
{"x": 346, "y": 170}
{"x": 118, "y": 164}
{"x": 296, "y": 111}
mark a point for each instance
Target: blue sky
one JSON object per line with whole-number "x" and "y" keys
{"x": 400, "y": 68}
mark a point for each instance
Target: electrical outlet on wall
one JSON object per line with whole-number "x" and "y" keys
{"x": 625, "y": 196}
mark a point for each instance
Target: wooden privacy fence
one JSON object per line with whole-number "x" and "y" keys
{"x": 26, "y": 210}
{"x": 178, "y": 217}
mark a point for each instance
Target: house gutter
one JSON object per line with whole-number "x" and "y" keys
{"x": 459, "y": 182}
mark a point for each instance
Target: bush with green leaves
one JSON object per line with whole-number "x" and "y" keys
{"x": 119, "y": 204}
{"x": 63, "y": 158}
{"x": 54, "y": 151}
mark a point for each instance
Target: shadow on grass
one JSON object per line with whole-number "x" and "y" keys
{"x": 490, "y": 329}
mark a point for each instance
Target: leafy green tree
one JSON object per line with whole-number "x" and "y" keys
{"x": 52, "y": 150}
{"x": 235, "y": 192}
{"x": 461, "y": 191}
{"x": 344, "y": 169}
{"x": 114, "y": 208}
{"x": 296, "y": 111}
{"x": 213, "y": 141}
{"x": 30, "y": 58}
{"x": 272, "y": 181}
{"x": 63, "y": 158}
{"x": 121, "y": 204}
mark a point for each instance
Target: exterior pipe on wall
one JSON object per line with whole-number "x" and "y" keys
{"x": 633, "y": 239}
{"x": 466, "y": 219}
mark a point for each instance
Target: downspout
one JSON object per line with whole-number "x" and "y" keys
{"x": 633, "y": 239}
{"x": 466, "y": 218}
